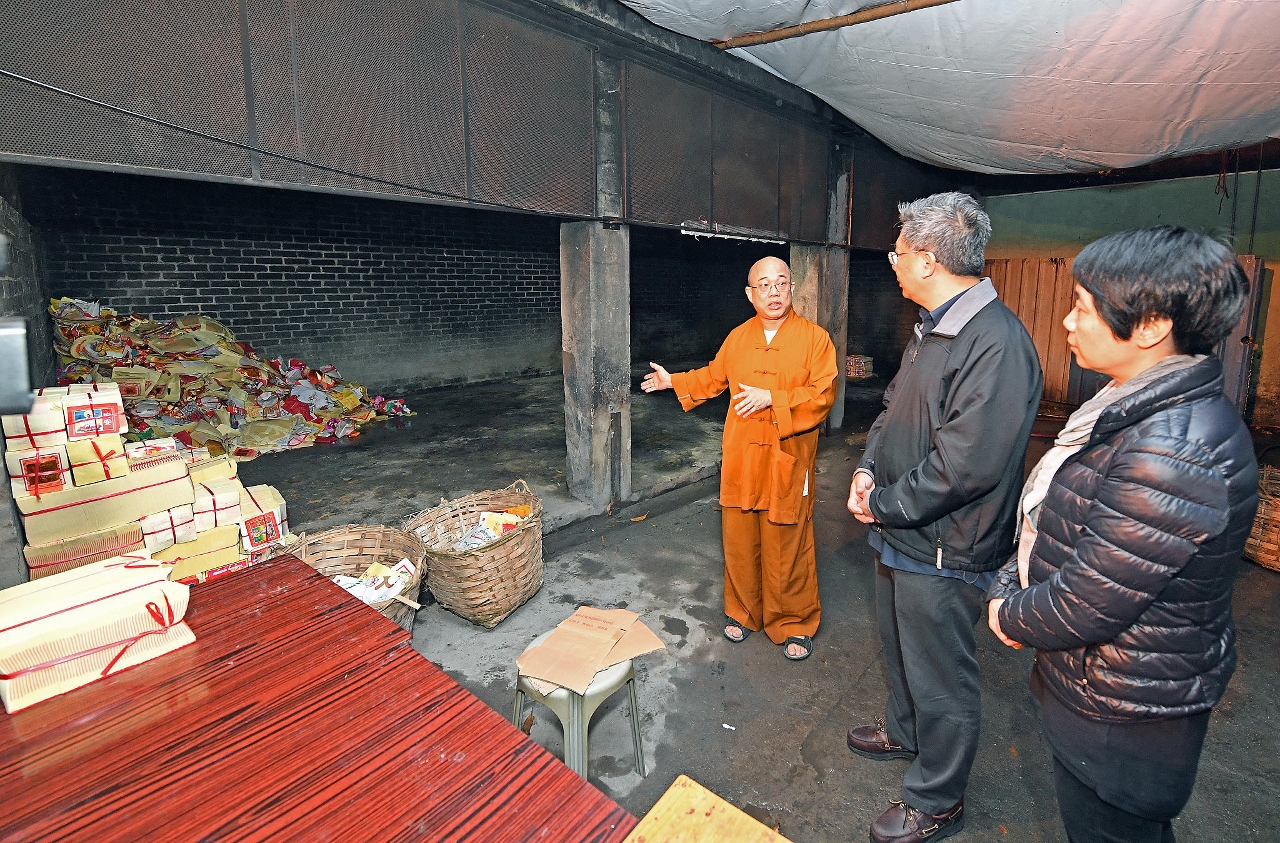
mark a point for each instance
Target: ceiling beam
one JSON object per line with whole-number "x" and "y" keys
{"x": 886, "y": 10}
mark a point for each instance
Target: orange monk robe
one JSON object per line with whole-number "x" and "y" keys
{"x": 767, "y": 476}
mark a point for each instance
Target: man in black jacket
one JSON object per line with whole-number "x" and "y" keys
{"x": 939, "y": 484}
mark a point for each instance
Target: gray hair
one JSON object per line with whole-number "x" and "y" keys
{"x": 951, "y": 225}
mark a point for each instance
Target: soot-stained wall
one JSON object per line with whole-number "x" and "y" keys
{"x": 688, "y": 293}
{"x": 396, "y": 294}
{"x": 880, "y": 319}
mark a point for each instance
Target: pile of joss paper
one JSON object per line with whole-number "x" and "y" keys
{"x": 191, "y": 379}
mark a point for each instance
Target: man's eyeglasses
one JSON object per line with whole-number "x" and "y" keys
{"x": 893, "y": 256}
{"x": 781, "y": 286}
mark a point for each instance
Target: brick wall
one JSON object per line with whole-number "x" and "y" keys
{"x": 395, "y": 294}
{"x": 23, "y": 291}
{"x": 687, "y": 293}
{"x": 880, "y": 319}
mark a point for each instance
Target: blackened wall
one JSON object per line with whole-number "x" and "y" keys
{"x": 880, "y": 319}
{"x": 23, "y": 291}
{"x": 688, "y": 293}
{"x": 395, "y": 294}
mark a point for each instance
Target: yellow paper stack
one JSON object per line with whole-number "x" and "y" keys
{"x": 97, "y": 459}
{"x": 70, "y": 629}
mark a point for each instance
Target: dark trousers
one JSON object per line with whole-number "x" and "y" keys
{"x": 1090, "y": 820}
{"x": 935, "y": 704}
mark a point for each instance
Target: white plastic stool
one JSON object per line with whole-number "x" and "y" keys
{"x": 575, "y": 710}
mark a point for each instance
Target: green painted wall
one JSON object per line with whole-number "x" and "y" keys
{"x": 1062, "y": 222}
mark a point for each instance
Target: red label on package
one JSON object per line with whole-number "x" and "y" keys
{"x": 95, "y": 421}
{"x": 261, "y": 530}
{"x": 42, "y": 473}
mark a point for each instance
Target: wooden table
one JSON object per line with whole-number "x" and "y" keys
{"x": 298, "y": 714}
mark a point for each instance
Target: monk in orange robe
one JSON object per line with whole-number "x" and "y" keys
{"x": 782, "y": 368}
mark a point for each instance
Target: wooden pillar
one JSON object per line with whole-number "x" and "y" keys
{"x": 595, "y": 314}
{"x": 821, "y": 276}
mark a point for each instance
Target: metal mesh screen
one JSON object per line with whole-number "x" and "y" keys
{"x": 530, "y": 113}
{"x": 379, "y": 93}
{"x": 813, "y": 201}
{"x": 668, "y": 148}
{"x": 745, "y": 166}
{"x": 179, "y": 62}
{"x": 790, "y": 183}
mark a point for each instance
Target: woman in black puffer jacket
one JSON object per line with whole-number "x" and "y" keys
{"x": 1132, "y": 530}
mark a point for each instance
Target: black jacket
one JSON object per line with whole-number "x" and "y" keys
{"x": 947, "y": 453}
{"x": 1139, "y": 541}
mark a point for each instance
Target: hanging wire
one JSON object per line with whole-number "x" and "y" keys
{"x": 1235, "y": 198}
{"x": 1220, "y": 189}
{"x": 1257, "y": 191}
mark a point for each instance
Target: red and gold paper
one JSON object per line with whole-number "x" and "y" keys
{"x": 265, "y": 518}
{"x": 90, "y": 414}
{"x": 211, "y": 549}
{"x": 35, "y": 472}
{"x": 97, "y": 459}
{"x": 165, "y": 529}
{"x": 149, "y": 487}
{"x": 217, "y": 503}
{"x": 67, "y": 630}
{"x": 45, "y": 560}
{"x": 43, "y": 427}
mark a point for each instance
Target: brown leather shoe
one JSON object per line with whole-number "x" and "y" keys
{"x": 900, "y": 823}
{"x": 873, "y": 742}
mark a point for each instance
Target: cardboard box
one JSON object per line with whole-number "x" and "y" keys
{"x": 43, "y": 427}
{"x": 45, "y": 560}
{"x": 264, "y": 517}
{"x": 211, "y": 549}
{"x": 67, "y": 630}
{"x": 37, "y": 472}
{"x": 97, "y": 459}
{"x": 217, "y": 503}
{"x": 165, "y": 529}
{"x": 585, "y": 643}
{"x": 91, "y": 414}
{"x": 150, "y": 487}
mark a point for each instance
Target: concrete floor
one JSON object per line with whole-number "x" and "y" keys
{"x": 784, "y": 760}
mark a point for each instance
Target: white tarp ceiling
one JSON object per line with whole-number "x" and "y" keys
{"x": 1025, "y": 86}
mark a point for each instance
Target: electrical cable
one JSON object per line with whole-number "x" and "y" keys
{"x": 1257, "y": 191}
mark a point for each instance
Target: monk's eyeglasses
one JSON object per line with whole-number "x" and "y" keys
{"x": 781, "y": 286}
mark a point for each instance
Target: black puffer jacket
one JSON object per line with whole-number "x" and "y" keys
{"x": 1139, "y": 541}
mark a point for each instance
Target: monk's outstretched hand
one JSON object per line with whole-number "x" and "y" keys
{"x": 751, "y": 399}
{"x": 658, "y": 379}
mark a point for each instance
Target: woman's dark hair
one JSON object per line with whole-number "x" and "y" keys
{"x": 1165, "y": 271}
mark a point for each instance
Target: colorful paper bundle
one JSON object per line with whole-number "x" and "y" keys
{"x": 35, "y": 472}
{"x": 93, "y": 412}
{"x": 212, "y": 468}
{"x": 43, "y": 427}
{"x": 65, "y": 631}
{"x": 217, "y": 503}
{"x": 97, "y": 459}
{"x": 150, "y": 487}
{"x": 265, "y": 520}
{"x": 165, "y": 529}
{"x": 45, "y": 560}
{"x": 150, "y": 448}
{"x": 211, "y": 549}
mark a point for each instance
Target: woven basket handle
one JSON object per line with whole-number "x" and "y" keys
{"x": 520, "y": 485}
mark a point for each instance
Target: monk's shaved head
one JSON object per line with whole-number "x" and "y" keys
{"x": 770, "y": 266}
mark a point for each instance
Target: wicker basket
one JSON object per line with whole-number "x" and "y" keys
{"x": 352, "y": 549}
{"x": 1263, "y": 544}
{"x": 486, "y": 584}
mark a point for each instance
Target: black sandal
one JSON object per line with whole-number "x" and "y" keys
{"x": 730, "y": 623}
{"x": 804, "y": 641}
